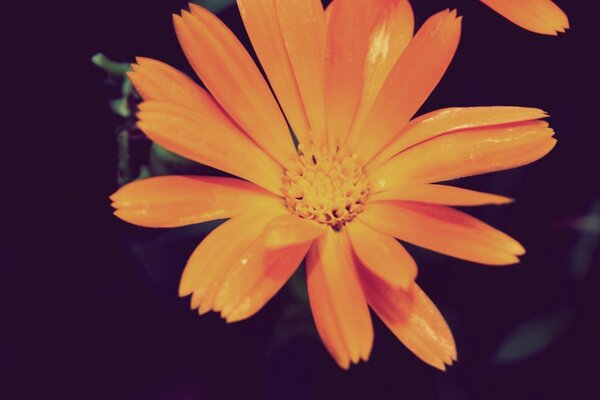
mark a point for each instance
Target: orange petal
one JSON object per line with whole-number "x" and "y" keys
{"x": 358, "y": 32}
{"x": 289, "y": 230}
{"x": 229, "y": 73}
{"x": 392, "y": 30}
{"x": 336, "y": 299}
{"x": 465, "y": 153}
{"x": 262, "y": 25}
{"x": 157, "y": 81}
{"x": 413, "y": 318}
{"x": 263, "y": 268}
{"x": 329, "y": 11}
{"x": 302, "y": 24}
{"x": 382, "y": 255}
{"x": 209, "y": 138}
{"x": 169, "y": 201}
{"x": 209, "y": 263}
{"x": 440, "y": 122}
{"x": 444, "y": 230}
{"x": 539, "y": 16}
{"x": 439, "y": 194}
{"x": 412, "y": 79}
{"x": 347, "y": 41}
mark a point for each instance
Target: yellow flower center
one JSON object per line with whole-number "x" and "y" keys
{"x": 325, "y": 185}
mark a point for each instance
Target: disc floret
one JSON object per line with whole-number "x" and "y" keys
{"x": 327, "y": 185}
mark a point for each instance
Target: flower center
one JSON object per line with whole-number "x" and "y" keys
{"x": 325, "y": 185}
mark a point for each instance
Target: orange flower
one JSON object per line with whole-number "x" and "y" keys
{"x": 539, "y": 16}
{"x": 348, "y": 81}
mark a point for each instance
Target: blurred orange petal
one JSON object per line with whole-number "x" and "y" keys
{"x": 412, "y": 79}
{"x": 539, "y": 16}
{"x": 262, "y": 24}
{"x": 228, "y": 71}
{"x": 439, "y": 194}
{"x": 336, "y": 299}
{"x": 413, "y": 318}
{"x": 465, "y": 153}
{"x": 208, "y": 137}
{"x": 443, "y": 230}
{"x": 302, "y": 24}
{"x": 170, "y": 201}
{"x": 382, "y": 255}
{"x": 440, "y": 122}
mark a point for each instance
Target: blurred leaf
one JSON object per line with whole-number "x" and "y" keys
{"x": 120, "y": 107}
{"x": 118, "y": 75}
{"x": 112, "y": 67}
{"x": 215, "y": 6}
{"x": 144, "y": 173}
{"x": 124, "y": 174}
{"x": 163, "y": 258}
{"x": 296, "y": 318}
{"x": 297, "y": 284}
{"x": 165, "y": 162}
{"x": 534, "y": 336}
{"x": 126, "y": 87}
{"x": 583, "y": 252}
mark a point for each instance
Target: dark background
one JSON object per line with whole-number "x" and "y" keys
{"x": 92, "y": 308}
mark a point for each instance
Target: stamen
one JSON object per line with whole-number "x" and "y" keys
{"x": 325, "y": 185}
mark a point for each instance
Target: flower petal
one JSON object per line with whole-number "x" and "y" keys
{"x": 382, "y": 255}
{"x": 439, "y": 194}
{"x": 208, "y": 265}
{"x": 289, "y": 230}
{"x": 208, "y": 137}
{"x": 444, "y": 230}
{"x": 336, "y": 299}
{"x": 263, "y": 268}
{"x": 263, "y": 28}
{"x": 440, "y": 122}
{"x": 228, "y": 71}
{"x": 465, "y": 153}
{"x": 170, "y": 201}
{"x": 348, "y": 31}
{"x": 157, "y": 81}
{"x": 364, "y": 39}
{"x": 302, "y": 24}
{"x": 539, "y": 16}
{"x": 412, "y": 79}
{"x": 413, "y": 318}
{"x": 392, "y": 30}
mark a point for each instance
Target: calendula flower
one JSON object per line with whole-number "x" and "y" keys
{"x": 539, "y": 16}
{"x": 362, "y": 176}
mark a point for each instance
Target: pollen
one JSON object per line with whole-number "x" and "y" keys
{"x": 325, "y": 185}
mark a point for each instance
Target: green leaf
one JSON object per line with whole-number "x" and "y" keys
{"x": 534, "y": 336}
{"x": 587, "y": 245}
{"x": 112, "y": 67}
{"x": 163, "y": 161}
{"x": 297, "y": 284}
{"x": 159, "y": 256}
{"x": 215, "y": 6}
{"x": 120, "y": 107}
{"x": 124, "y": 174}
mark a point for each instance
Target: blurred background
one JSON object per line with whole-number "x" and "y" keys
{"x": 92, "y": 305}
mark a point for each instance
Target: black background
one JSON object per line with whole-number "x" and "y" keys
{"x": 87, "y": 320}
